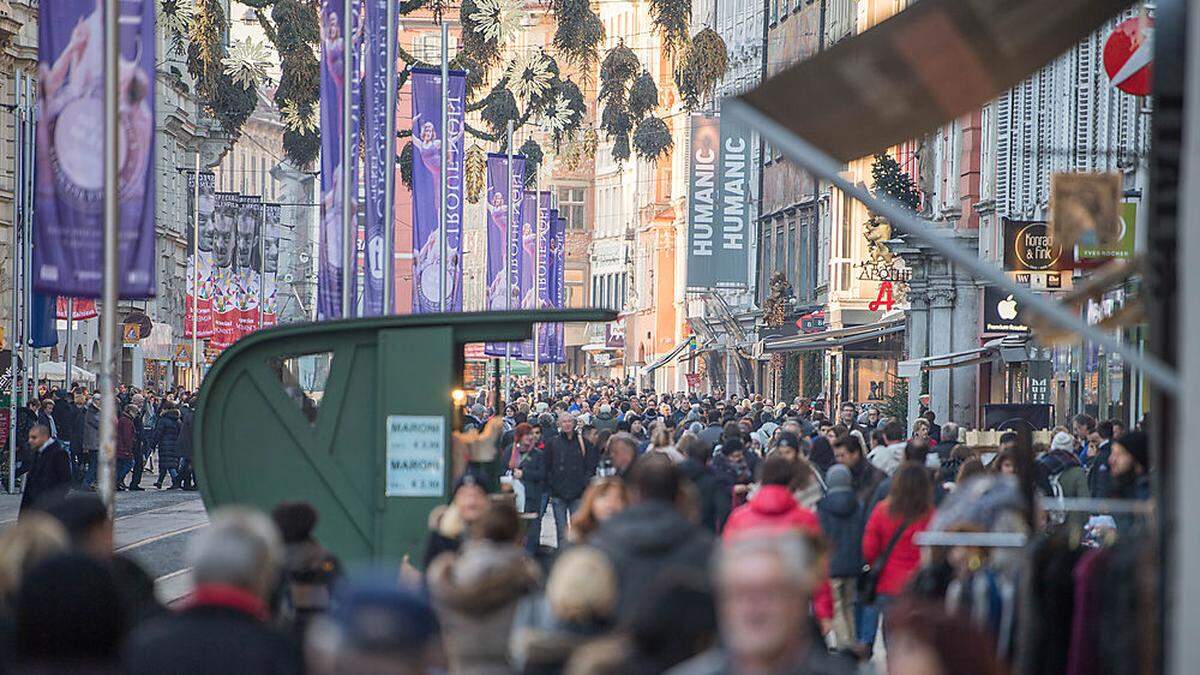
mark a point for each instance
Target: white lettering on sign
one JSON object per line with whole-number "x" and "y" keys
{"x": 702, "y": 224}
{"x": 416, "y": 465}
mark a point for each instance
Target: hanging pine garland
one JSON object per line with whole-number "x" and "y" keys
{"x": 475, "y": 175}
{"x": 702, "y": 65}
{"x": 619, "y": 67}
{"x": 175, "y": 17}
{"x": 578, "y": 34}
{"x": 671, "y": 19}
{"x": 500, "y": 110}
{"x": 484, "y": 52}
{"x": 652, "y": 140}
{"x": 643, "y": 95}
{"x": 226, "y": 100}
{"x": 533, "y": 160}
{"x": 406, "y": 165}
{"x": 566, "y": 112}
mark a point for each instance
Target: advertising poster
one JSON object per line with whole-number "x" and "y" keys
{"x": 719, "y": 204}
{"x": 272, "y": 231}
{"x": 247, "y": 276}
{"x": 198, "y": 295}
{"x": 68, "y": 256}
{"x": 375, "y": 122}
{"x": 504, "y": 260}
{"x": 225, "y": 290}
{"x": 427, "y": 175}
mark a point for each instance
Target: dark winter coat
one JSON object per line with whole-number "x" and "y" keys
{"x": 49, "y": 475}
{"x": 713, "y": 500}
{"x": 568, "y": 467}
{"x": 943, "y": 449}
{"x": 210, "y": 639}
{"x": 647, "y": 541}
{"x": 711, "y": 435}
{"x": 533, "y": 477}
{"x": 865, "y": 477}
{"x": 602, "y": 421}
{"x": 166, "y": 439}
{"x": 186, "y": 418}
{"x": 842, "y": 521}
{"x": 1098, "y": 475}
{"x": 91, "y": 428}
{"x": 126, "y": 436}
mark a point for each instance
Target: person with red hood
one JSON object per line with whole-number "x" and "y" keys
{"x": 772, "y": 507}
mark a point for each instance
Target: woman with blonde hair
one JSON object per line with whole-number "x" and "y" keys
{"x": 35, "y": 537}
{"x": 660, "y": 441}
{"x": 604, "y": 498}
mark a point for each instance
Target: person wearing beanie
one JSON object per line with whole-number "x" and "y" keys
{"x": 1060, "y": 474}
{"x": 309, "y": 569}
{"x": 841, "y": 517}
{"x": 605, "y": 419}
{"x": 1129, "y": 464}
{"x": 732, "y": 473}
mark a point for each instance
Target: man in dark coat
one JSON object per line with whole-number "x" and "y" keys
{"x": 864, "y": 476}
{"x": 949, "y": 440}
{"x": 224, "y": 627}
{"x": 651, "y": 538}
{"x": 714, "y": 501}
{"x": 166, "y": 441}
{"x": 711, "y": 434}
{"x": 49, "y": 468}
{"x": 187, "y": 473}
{"x": 570, "y": 464}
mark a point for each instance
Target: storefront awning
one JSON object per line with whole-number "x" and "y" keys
{"x": 1010, "y": 349}
{"x": 838, "y": 337}
{"x": 670, "y": 356}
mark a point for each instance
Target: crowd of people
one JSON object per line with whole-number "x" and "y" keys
{"x": 151, "y": 428}
{"x": 608, "y": 530}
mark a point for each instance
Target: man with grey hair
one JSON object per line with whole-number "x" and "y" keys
{"x": 223, "y": 629}
{"x": 949, "y": 440}
{"x": 763, "y": 585}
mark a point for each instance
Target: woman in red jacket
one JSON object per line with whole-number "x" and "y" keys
{"x": 909, "y": 504}
{"x": 773, "y": 507}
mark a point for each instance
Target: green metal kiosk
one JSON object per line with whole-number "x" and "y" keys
{"x": 353, "y": 416}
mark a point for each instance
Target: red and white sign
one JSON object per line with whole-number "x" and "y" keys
{"x": 1128, "y": 55}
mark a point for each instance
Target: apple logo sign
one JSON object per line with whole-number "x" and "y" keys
{"x": 1007, "y": 308}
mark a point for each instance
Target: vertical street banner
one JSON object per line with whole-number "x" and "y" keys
{"x": 505, "y": 186}
{"x": 247, "y": 277}
{"x": 427, "y": 139}
{"x": 334, "y": 52}
{"x": 68, "y": 255}
{"x": 84, "y": 309}
{"x": 527, "y": 252}
{"x": 376, "y": 178}
{"x": 719, "y": 202}
{"x": 199, "y": 290}
{"x": 558, "y": 285}
{"x": 225, "y": 292}
{"x": 269, "y": 264}
{"x": 545, "y": 234}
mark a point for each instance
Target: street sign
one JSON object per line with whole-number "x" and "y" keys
{"x": 1128, "y": 55}
{"x": 183, "y": 355}
{"x": 131, "y": 333}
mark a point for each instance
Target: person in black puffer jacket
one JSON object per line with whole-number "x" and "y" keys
{"x": 842, "y": 522}
{"x": 187, "y": 472}
{"x": 570, "y": 464}
{"x": 166, "y": 440}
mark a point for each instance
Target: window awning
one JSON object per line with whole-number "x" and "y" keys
{"x": 1010, "y": 349}
{"x": 838, "y": 337}
{"x": 670, "y": 356}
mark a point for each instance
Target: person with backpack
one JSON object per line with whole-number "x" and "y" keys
{"x": 1060, "y": 474}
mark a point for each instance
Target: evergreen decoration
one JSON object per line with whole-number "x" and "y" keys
{"x": 533, "y": 160}
{"x": 530, "y": 76}
{"x": 500, "y": 109}
{"x": 652, "y": 140}
{"x": 895, "y": 405}
{"x": 578, "y": 34}
{"x": 298, "y": 25}
{"x": 301, "y": 148}
{"x": 566, "y": 111}
{"x": 247, "y": 62}
{"x": 671, "y": 19}
{"x": 497, "y": 20}
{"x": 406, "y": 165}
{"x": 621, "y": 148}
{"x": 643, "y": 96}
{"x": 702, "y": 65}
{"x": 619, "y": 67}
{"x": 484, "y": 52}
{"x": 302, "y": 118}
{"x": 889, "y": 179}
{"x": 175, "y": 17}
{"x": 227, "y": 101}
{"x": 475, "y": 175}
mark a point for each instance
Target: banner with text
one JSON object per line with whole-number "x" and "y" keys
{"x": 225, "y": 292}
{"x": 375, "y": 153}
{"x": 198, "y": 298}
{"x": 504, "y": 187}
{"x": 248, "y": 278}
{"x": 426, "y": 177}
{"x": 269, "y": 265}
{"x": 719, "y": 204}
{"x": 68, "y": 244}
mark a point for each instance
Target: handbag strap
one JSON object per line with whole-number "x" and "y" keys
{"x": 887, "y": 551}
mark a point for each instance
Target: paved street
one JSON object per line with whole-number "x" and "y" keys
{"x": 153, "y": 528}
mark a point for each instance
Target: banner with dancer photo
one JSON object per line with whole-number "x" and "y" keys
{"x": 375, "y": 119}
{"x": 199, "y": 288}
{"x": 552, "y": 334}
{"x": 249, "y": 231}
{"x": 545, "y": 234}
{"x": 528, "y": 249}
{"x": 225, "y": 288}
{"x": 333, "y": 174}
{"x": 503, "y": 292}
{"x": 68, "y": 244}
{"x": 269, "y": 266}
{"x": 426, "y": 177}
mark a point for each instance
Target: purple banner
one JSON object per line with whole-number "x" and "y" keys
{"x": 526, "y": 289}
{"x": 556, "y": 288}
{"x": 427, "y": 175}
{"x": 68, "y": 244}
{"x": 542, "y": 265}
{"x": 504, "y": 243}
{"x": 333, "y": 58}
{"x": 375, "y": 138}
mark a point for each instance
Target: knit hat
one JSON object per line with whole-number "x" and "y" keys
{"x": 295, "y": 520}
{"x": 1062, "y": 441}
{"x": 732, "y": 445}
{"x": 838, "y": 477}
{"x": 380, "y": 617}
{"x": 1135, "y": 443}
{"x": 789, "y": 439}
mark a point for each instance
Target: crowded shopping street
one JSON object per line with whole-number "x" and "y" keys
{"x": 599, "y": 337}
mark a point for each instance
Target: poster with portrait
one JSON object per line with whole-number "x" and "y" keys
{"x": 269, "y": 266}
{"x": 246, "y": 254}
{"x": 198, "y": 296}
{"x": 505, "y": 188}
{"x": 225, "y": 287}
{"x": 68, "y": 243}
{"x": 426, "y": 188}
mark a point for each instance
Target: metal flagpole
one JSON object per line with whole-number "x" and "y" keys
{"x": 443, "y": 221}
{"x": 196, "y": 276}
{"x": 508, "y": 261}
{"x": 537, "y": 263}
{"x": 108, "y": 311}
{"x": 69, "y": 361}
{"x": 349, "y": 240}
{"x": 262, "y": 264}
{"x": 389, "y": 184}
{"x": 28, "y": 389}
{"x": 18, "y": 378}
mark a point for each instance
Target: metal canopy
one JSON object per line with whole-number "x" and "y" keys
{"x": 838, "y": 337}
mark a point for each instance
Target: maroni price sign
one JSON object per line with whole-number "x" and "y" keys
{"x": 415, "y": 456}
